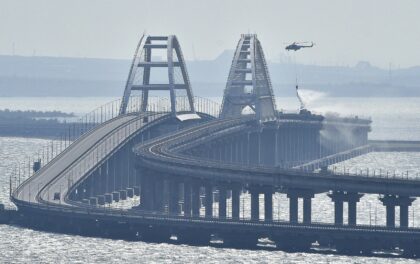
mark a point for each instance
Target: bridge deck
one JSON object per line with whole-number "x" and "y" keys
{"x": 162, "y": 155}
{"x": 78, "y": 159}
{"x": 395, "y": 145}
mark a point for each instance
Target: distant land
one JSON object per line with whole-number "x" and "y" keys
{"x": 54, "y": 76}
{"x": 48, "y": 124}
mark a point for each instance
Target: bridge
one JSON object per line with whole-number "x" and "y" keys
{"x": 182, "y": 161}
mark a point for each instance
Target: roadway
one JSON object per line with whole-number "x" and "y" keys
{"x": 165, "y": 154}
{"x": 76, "y": 161}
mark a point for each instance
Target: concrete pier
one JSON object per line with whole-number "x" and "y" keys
{"x": 130, "y": 192}
{"x": 195, "y": 199}
{"x": 390, "y": 202}
{"x": 294, "y": 195}
{"x": 268, "y": 205}
{"x": 123, "y": 195}
{"x": 222, "y": 201}
{"x": 187, "y": 198}
{"x": 208, "y": 202}
{"x": 173, "y": 197}
{"x": 116, "y": 196}
{"x": 339, "y": 197}
{"x": 236, "y": 191}
{"x": 101, "y": 199}
{"x": 255, "y": 204}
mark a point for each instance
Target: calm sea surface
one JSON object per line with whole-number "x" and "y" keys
{"x": 396, "y": 118}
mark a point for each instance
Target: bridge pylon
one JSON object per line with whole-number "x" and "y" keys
{"x": 249, "y": 83}
{"x": 150, "y": 73}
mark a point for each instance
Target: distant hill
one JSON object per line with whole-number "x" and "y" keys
{"x": 50, "y": 76}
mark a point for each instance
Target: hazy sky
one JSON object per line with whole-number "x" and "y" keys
{"x": 345, "y": 32}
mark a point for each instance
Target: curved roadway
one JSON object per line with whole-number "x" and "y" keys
{"x": 165, "y": 154}
{"x": 76, "y": 161}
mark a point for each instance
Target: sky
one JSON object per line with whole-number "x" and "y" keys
{"x": 384, "y": 32}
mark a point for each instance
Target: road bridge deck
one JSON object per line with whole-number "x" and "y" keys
{"x": 161, "y": 154}
{"x": 395, "y": 145}
{"x": 78, "y": 159}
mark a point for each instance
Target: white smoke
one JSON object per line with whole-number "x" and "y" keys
{"x": 310, "y": 97}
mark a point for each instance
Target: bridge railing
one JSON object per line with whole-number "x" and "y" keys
{"x": 163, "y": 104}
{"x": 371, "y": 173}
{"x": 375, "y": 173}
{"x": 27, "y": 166}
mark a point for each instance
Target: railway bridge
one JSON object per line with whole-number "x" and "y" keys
{"x": 190, "y": 168}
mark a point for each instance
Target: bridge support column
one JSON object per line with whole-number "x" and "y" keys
{"x": 255, "y": 204}
{"x": 338, "y": 212}
{"x": 158, "y": 191}
{"x": 236, "y": 192}
{"x": 259, "y": 147}
{"x": 293, "y": 208}
{"x": 404, "y": 215}
{"x": 276, "y": 147}
{"x": 339, "y": 197}
{"x": 79, "y": 193}
{"x": 268, "y": 206}
{"x": 92, "y": 184}
{"x": 147, "y": 192}
{"x": 136, "y": 187}
{"x": 248, "y": 148}
{"x": 117, "y": 171}
{"x": 195, "y": 199}
{"x": 187, "y": 198}
{"x": 132, "y": 174}
{"x": 143, "y": 192}
{"x": 391, "y": 201}
{"x": 99, "y": 182}
{"x": 173, "y": 197}
{"x": 390, "y": 215}
{"x": 352, "y": 207}
{"x": 307, "y": 210}
{"x": 123, "y": 173}
{"x": 89, "y": 186}
{"x": 209, "y": 200}
{"x": 294, "y": 195}
{"x": 222, "y": 202}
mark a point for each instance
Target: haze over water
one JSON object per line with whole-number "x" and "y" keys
{"x": 393, "y": 118}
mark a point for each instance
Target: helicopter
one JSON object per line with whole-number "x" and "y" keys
{"x": 298, "y": 45}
